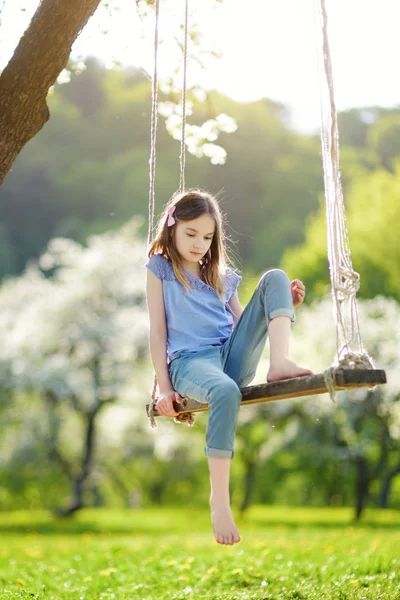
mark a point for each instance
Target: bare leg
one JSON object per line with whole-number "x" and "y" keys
{"x": 280, "y": 366}
{"x": 225, "y": 530}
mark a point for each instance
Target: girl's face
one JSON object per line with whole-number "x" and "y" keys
{"x": 193, "y": 238}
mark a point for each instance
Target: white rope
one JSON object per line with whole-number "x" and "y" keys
{"x": 184, "y": 417}
{"x": 153, "y": 126}
{"x": 152, "y": 164}
{"x": 2, "y": 6}
{"x": 184, "y": 97}
{"x": 345, "y": 281}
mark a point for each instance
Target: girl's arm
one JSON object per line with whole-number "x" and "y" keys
{"x": 236, "y": 307}
{"x": 158, "y": 331}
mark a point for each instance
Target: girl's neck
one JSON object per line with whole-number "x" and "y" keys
{"x": 196, "y": 272}
{"x": 194, "y": 268}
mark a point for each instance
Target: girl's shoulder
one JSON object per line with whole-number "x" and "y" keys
{"x": 231, "y": 281}
{"x": 161, "y": 267}
{"x": 232, "y": 277}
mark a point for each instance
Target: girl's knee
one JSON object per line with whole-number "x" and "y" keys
{"x": 274, "y": 276}
{"x": 226, "y": 389}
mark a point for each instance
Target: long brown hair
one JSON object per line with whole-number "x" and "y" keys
{"x": 190, "y": 205}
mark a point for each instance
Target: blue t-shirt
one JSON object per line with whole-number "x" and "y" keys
{"x": 196, "y": 320}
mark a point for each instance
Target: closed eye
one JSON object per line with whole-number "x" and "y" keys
{"x": 191, "y": 235}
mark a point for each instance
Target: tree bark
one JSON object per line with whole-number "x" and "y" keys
{"x": 362, "y": 485}
{"x": 41, "y": 55}
{"x": 80, "y": 480}
{"x": 88, "y": 456}
{"x": 251, "y": 469}
{"x": 386, "y": 485}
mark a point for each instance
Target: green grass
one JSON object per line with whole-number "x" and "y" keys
{"x": 285, "y": 553}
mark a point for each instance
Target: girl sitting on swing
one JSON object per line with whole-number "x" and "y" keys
{"x": 203, "y": 344}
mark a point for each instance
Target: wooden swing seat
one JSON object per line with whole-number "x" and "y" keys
{"x": 310, "y": 385}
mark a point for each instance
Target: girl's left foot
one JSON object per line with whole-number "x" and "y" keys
{"x": 225, "y": 530}
{"x": 286, "y": 369}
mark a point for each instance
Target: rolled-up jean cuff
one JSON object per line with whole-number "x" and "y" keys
{"x": 217, "y": 453}
{"x": 282, "y": 312}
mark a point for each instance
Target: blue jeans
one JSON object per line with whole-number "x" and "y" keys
{"x": 214, "y": 375}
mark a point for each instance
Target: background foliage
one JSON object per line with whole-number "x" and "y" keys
{"x": 75, "y": 312}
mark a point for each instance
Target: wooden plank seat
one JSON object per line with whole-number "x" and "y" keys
{"x": 345, "y": 379}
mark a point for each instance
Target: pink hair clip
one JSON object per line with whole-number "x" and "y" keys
{"x": 170, "y": 211}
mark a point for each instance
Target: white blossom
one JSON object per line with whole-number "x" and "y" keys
{"x": 198, "y": 139}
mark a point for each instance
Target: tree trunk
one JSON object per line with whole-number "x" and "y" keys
{"x": 248, "y": 484}
{"x": 41, "y": 55}
{"x": 386, "y": 485}
{"x": 362, "y": 485}
{"x": 79, "y": 481}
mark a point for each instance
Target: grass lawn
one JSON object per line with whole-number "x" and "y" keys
{"x": 160, "y": 554}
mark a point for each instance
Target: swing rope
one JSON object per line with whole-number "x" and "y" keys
{"x": 345, "y": 281}
{"x": 153, "y": 126}
{"x": 187, "y": 417}
{"x": 152, "y": 164}
{"x": 184, "y": 98}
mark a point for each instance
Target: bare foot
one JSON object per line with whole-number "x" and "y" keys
{"x": 225, "y": 530}
{"x": 286, "y": 369}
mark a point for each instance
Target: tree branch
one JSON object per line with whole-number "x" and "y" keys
{"x": 54, "y": 452}
{"x": 41, "y": 55}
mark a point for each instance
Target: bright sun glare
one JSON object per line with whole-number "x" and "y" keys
{"x": 269, "y": 48}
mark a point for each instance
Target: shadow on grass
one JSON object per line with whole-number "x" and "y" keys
{"x": 169, "y": 521}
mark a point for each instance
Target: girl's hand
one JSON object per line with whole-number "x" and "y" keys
{"x": 164, "y": 403}
{"x": 298, "y": 292}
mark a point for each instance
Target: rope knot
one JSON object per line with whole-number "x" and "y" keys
{"x": 351, "y": 360}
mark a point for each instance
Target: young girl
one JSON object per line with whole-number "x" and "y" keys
{"x": 202, "y": 343}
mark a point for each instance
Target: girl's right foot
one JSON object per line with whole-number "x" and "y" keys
{"x": 286, "y": 369}
{"x": 225, "y": 530}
